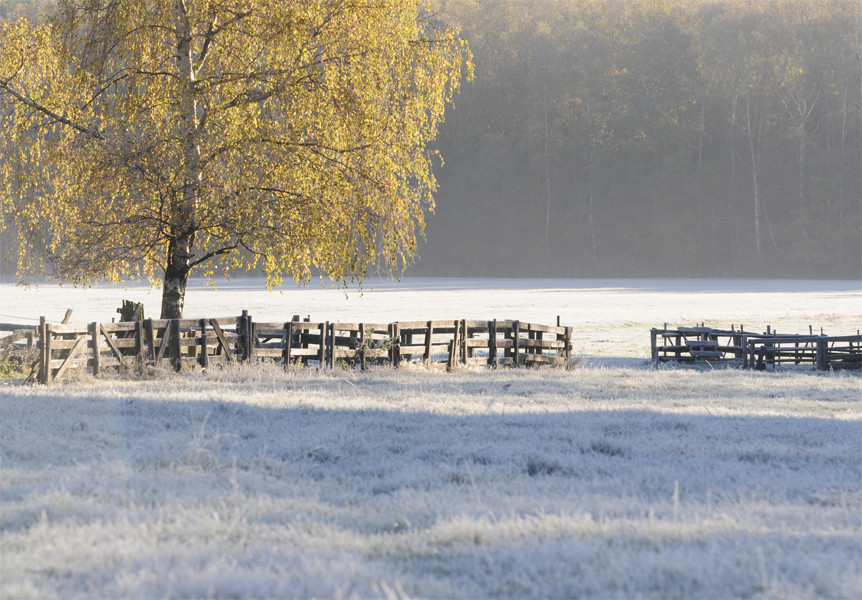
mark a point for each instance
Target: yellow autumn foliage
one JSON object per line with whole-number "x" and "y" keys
{"x": 154, "y": 138}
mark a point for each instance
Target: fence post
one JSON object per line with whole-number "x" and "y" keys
{"x": 288, "y": 344}
{"x": 653, "y": 334}
{"x": 568, "y": 350}
{"x": 821, "y": 355}
{"x": 239, "y": 345}
{"x": 492, "y": 343}
{"x": 45, "y": 375}
{"x": 363, "y": 348}
{"x": 330, "y": 334}
{"x": 243, "y": 335}
{"x": 97, "y": 350}
{"x": 139, "y": 341}
{"x": 428, "y": 335}
{"x": 203, "y": 359}
{"x": 516, "y": 344}
{"x": 464, "y": 350}
{"x": 454, "y": 347}
{"x": 394, "y": 345}
{"x": 176, "y": 348}
{"x": 251, "y": 336}
{"x": 150, "y": 338}
{"x": 321, "y": 349}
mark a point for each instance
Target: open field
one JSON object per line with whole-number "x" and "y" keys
{"x": 611, "y": 317}
{"x": 609, "y": 480}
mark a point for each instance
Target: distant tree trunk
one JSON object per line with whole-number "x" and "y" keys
{"x": 547, "y": 179}
{"x": 731, "y": 186}
{"x": 859, "y": 56}
{"x": 591, "y": 186}
{"x": 753, "y": 175}
{"x": 801, "y": 185}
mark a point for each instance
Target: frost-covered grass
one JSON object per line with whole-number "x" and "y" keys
{"x": 610, "y": 480}
{"x": 598, "y": 482}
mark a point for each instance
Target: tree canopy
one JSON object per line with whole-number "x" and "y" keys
{"x": 153, "y": 138}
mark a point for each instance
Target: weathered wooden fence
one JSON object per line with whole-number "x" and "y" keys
{"x": 178, "y": 344}
{"x": 755, "y": 350}
{"x": 14, "y": 333}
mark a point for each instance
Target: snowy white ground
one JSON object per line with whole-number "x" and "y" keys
{"x": 611, "y": 317}
{"x": 610, "y": 480}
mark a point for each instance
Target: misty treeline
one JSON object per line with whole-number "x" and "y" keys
{"x": 648, "y": 138}
{"x": 651, "y": 138}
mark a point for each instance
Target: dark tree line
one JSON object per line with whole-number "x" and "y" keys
{"x": 626, "y": 138}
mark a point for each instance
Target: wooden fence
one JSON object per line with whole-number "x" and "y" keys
{"x": 14, "y": 333}
{"x": 185, "y": 343}
{"x": 755, "y": 350}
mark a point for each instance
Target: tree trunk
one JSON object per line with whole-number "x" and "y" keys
{"x": 176, "y": 277}
{"x": 183, "y": 208}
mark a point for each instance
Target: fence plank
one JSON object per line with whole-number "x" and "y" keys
{"x": 114, "y": 348}
{"x": 80, "y": 344}
{"x": 219, "y": 333}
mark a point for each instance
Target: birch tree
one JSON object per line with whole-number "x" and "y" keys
{"x": 157, "y": 138}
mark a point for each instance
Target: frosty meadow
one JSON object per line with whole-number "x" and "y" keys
{"x": 611, "y": 480}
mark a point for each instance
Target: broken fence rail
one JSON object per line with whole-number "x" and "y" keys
{"x": 755, "y": 350}
{"x": 185, "y": 343}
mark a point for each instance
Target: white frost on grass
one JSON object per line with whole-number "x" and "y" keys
{"x": 606, "y": 481}
{"x": 597, "y": 482}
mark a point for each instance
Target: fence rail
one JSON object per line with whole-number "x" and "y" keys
{"x": 755, "y": 350}
{"x": 187, "y": 343}
{"x": 13, "y": 333}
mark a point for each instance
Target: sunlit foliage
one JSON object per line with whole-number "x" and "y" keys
{"x": 153, "y": 138}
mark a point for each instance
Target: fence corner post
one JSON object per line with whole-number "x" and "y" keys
{"x": 653, "y": 333}
{"x": 822, "y": 355}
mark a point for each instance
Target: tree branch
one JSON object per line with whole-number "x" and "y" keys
{"x": 95, "y": 134}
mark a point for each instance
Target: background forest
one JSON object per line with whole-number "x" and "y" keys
{"x": 648, "y": 138}
{"x": 624, "y": 138}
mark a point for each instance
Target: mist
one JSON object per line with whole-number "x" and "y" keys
{"x": 618, "y": 139}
